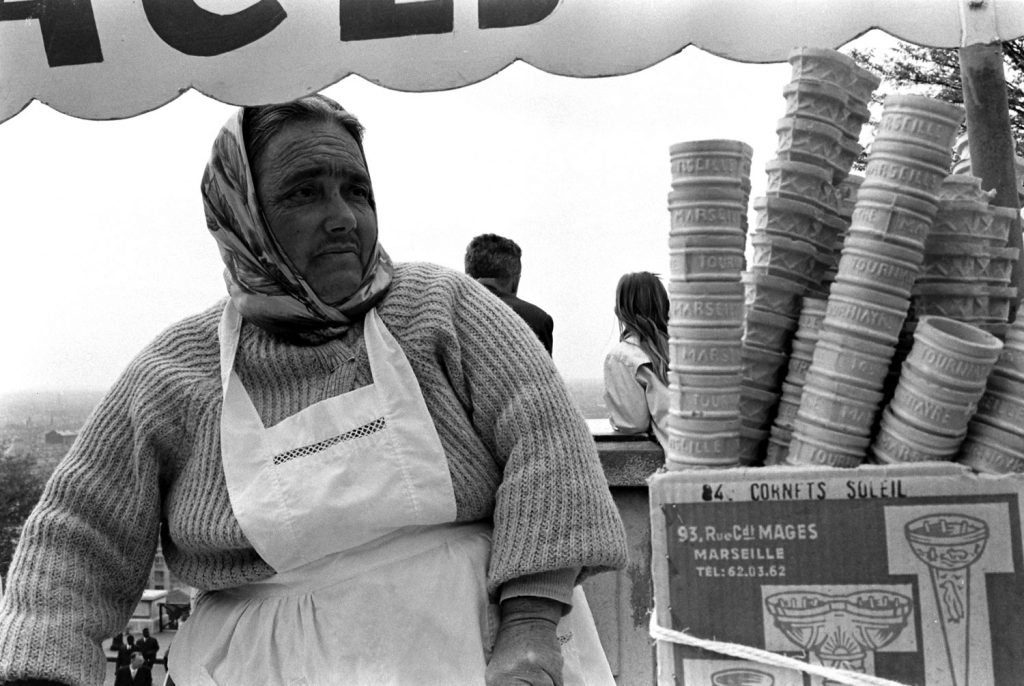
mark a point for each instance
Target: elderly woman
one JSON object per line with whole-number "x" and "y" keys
{"x": 371, "y": 472}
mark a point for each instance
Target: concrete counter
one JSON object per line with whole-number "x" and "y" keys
{"x": 621, "y": 601}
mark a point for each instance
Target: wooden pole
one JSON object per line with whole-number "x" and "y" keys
{"x": 989, "y": 137}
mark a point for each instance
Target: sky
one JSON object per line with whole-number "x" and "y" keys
{"x": 105, "y": 242}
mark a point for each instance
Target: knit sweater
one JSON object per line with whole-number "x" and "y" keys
{"x": 147, "y": 464}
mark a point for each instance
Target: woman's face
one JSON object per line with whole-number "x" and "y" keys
{"x": 313, "y": 186}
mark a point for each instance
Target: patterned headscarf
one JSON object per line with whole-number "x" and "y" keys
{"x": 261, "y": 281}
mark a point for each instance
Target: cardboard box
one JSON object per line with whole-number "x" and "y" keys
{"x": 912, "y": 573}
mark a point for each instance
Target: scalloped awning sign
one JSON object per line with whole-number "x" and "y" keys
{"x": 109, "y": 59}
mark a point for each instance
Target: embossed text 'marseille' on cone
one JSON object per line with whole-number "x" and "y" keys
{"x": 705, "y": 304}
{"x": 711, "y": 170}
{"x": 716, "y": 158}
{"x": 718, "y": 217}
{"x": 704, "y": 351}
{"x": 901, "y": 172}
{"x": 694, "y": 444}
{"x": 696, "y": 223}
{"x": 921, "y": 121}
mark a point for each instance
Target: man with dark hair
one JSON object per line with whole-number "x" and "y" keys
{"x": 148, "y": 646}
{"x": 135, "y": 674}
{"x": 496, "y": 263}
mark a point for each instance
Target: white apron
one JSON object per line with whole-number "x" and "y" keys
{"x": 351, "y": 502}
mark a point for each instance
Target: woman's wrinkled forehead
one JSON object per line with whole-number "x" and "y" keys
{"x": 261, "y": 124}
{"x": 303, "y": 149}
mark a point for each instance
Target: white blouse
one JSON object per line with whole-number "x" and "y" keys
{"x": 636, "y": 399}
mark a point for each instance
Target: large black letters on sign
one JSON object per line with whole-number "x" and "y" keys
{"x": 68, "y": 27}
{"x": 500, "y": 14}
{"x": 190, "y": 29}
{"x": 368, "y": 19}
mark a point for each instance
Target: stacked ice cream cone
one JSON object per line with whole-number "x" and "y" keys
{"x": 800, "y": 225}
{"x": 995, "y": 437}
{"x": 940, "y": 384}
{"x": 812, "y": 313}
{"x": 870, "y": 298}
{"x": 967, "y": 265}
{"x": 707, "y": 204}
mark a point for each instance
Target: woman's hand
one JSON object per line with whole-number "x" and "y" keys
{"x": 526, "y": 651}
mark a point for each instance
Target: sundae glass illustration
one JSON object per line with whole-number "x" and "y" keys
{"x": 742, "y": 676}
{"x": 840, "y": 630}
{"x": 949, "y": 544}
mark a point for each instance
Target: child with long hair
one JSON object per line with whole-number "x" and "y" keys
{"x": 636, "y": 368}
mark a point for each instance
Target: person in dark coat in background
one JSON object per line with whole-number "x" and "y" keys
{"x": 496, "y": 262}
{"x": 124, "y": 652}
{"x": 148, "y": 646}
{"x": 135, "y": 674}
{"x": 118, "y": 641}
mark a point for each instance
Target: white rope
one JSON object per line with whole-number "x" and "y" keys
{"x": 841, "y": 676}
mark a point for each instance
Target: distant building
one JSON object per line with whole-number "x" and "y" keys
{"x": 160, "y": 575}
{"x": 60, "y": 437}
{"x": 175, "y": 605}
{"x": 17, "y": 448}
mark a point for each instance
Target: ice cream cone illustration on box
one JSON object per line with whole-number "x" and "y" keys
{"x": 735, "y": 672}
{"x": 950, "y": 544}
{"x": 742, "y": 677}
{"x": 951, "y": 549}
{"x": 837, "y": 629}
